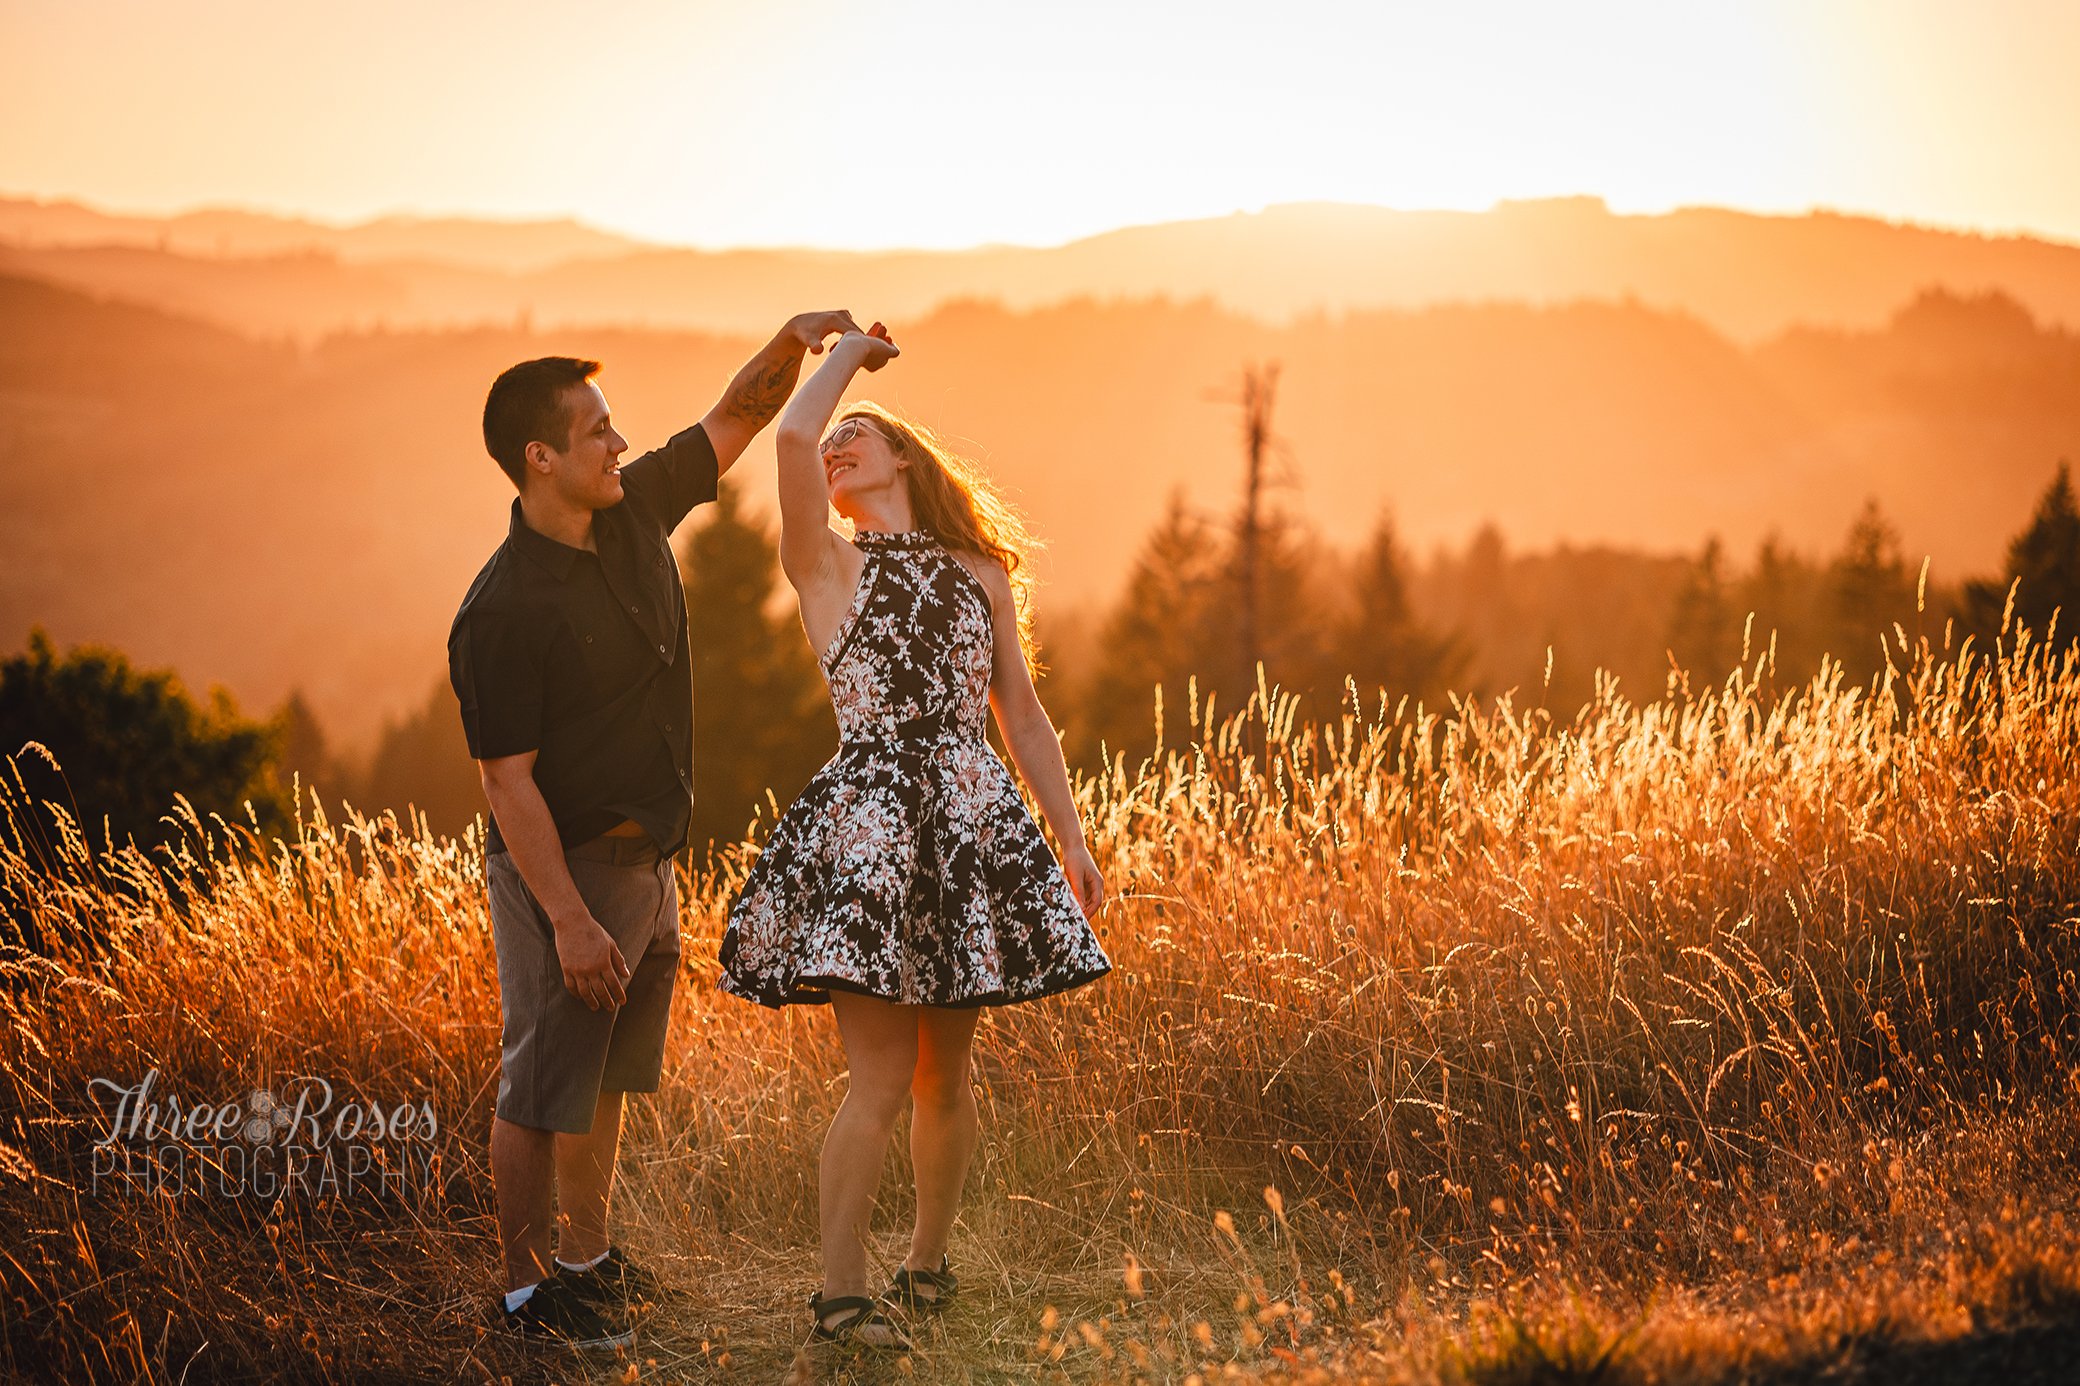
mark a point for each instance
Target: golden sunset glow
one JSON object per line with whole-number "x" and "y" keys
{"x": 1377, "y": 691}
{"x": 949, "y": 124}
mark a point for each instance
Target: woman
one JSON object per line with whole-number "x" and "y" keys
{"x": 907, "y": 886}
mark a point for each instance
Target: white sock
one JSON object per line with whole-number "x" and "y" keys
{"x": 516, "y": 1298}
{"x": 582, "y": 1265}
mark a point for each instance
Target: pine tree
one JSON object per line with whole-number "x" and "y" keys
{"x": 1380, "y": 645}
{"x": 1870, "y": 590}
{"x": 1782, "y": 606}
{"x": 1704, "y": 632}
{"x": 1490, "y": 608}
{"x": 1164, "y": 630}
{"x": 1292, "y": 640}
{"x": 422, "y": 762}
{"x": 762, "y": 720}
{"x": 2044, "y": 559}
{"x": 306, "y": 762}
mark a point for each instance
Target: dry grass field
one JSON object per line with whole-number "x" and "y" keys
{"x": 1725, "y": 1037}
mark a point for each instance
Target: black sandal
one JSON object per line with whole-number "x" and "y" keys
{"x": 861, "y": 1313}
{"x": 940, "y": 1284}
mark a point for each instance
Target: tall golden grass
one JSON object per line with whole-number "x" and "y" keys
{"x": 1670, "y": 1040}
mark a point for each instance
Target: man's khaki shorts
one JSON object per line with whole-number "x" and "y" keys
{"x": 558, "y": 1054}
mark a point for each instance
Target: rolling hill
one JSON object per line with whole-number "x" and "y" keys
{"x": 274, "y": 516}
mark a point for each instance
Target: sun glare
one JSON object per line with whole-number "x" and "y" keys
{"x": 969, "y": 124}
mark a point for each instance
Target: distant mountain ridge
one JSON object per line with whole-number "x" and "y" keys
{"x": 1747, "y": 276}
{"x": 232, "y": 233}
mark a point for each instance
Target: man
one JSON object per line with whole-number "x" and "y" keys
{"x": 569, "y": 658}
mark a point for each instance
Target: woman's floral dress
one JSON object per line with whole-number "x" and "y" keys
{"x": 909, "y": 868}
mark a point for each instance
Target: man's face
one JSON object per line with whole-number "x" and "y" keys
{"x": 587, "y": 471}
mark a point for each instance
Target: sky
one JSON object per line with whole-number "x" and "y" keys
{"x": 941, "y": 124}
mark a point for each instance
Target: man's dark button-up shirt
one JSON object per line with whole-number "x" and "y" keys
{"x": 582, "y": 656}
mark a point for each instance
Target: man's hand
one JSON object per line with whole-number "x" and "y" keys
{"x": 593, "y": 967}
{"x": 760, "y": 390}
{"x": 810, "y": 329}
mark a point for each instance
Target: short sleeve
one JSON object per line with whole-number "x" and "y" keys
{"x": 676, "y": 477}
{"x": 496, "y": 664}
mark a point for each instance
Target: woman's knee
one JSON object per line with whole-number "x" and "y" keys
{"x": 942, "y": 1090}
{"x": 882, "y": 1087}
{"x": 879, "y": 1102}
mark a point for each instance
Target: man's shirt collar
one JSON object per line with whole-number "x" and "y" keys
{"x": 554, "y": 556}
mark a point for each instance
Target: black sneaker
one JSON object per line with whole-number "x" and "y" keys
{"x": 613, "y": 1283}
{"x": 555, "y": 1313}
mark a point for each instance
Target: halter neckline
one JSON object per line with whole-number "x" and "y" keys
{"x": 896, "y": 539}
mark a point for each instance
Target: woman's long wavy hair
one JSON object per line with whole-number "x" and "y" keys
{"x": 952, "y": 499}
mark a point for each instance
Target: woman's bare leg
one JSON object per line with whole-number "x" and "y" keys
{"x": 944, "y": 1127}
{"x": 880, "y": 1040}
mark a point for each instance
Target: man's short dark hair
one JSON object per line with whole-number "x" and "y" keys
{"x": 527, "y": 405}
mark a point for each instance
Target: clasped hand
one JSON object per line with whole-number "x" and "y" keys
{"x": 811, "y": 330}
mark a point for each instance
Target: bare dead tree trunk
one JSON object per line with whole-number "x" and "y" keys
{"x": 1259, "y": 390}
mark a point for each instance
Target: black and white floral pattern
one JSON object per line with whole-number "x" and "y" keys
{"x": 909, "y": 868}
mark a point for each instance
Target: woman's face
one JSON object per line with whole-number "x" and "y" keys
{"x": 858, "y": 461}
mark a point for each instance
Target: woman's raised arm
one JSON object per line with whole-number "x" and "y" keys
{"x": 806, "y": 536}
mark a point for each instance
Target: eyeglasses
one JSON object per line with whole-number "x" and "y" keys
{"x": 847, "y": 431}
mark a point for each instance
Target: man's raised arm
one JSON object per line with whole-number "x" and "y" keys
{"x": 757, "y": 393}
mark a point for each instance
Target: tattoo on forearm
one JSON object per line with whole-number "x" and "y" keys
{"x": 761, "y": 389}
